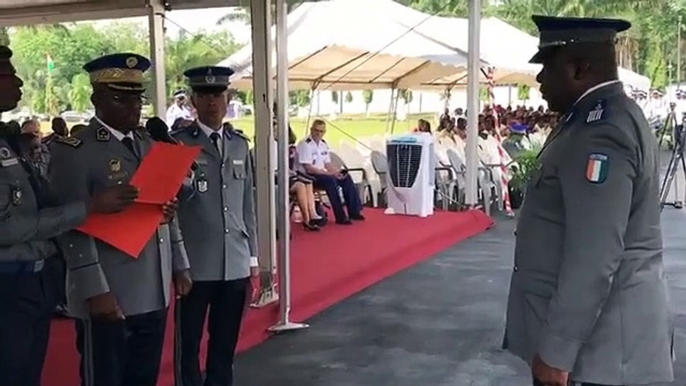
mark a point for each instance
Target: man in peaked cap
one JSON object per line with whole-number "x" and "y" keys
{"x": 120, "y": 302}
{"x": 179, "y": 109}
{"x": 588, "y": 301}
{"x": 218, "y": 223}
{"x": 27, "y": 229}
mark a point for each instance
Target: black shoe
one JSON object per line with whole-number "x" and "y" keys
{"x": 311, "y": 226}
{"x": 344, "y": 222}
{"x": 320, "y": 222}
{"x": 358, "y": 217}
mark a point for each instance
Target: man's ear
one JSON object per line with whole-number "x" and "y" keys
{"x": 581, "y": 69}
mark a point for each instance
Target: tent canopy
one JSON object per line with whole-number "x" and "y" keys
{"x": 342, "y": 68}
{"x": 389, "y": 49}
{"x": 391, "y": 28}
{"x": 31, "y": 12}
{"x": 504, "y": 47}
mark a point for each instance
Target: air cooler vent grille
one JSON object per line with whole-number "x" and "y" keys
{"x": 404, "y": 161}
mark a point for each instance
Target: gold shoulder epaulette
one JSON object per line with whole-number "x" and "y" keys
{"x": 71, "y": 141}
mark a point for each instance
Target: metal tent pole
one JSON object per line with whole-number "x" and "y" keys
{"x": 474, "y": 69}
{"x": 264, "y": 173}
{"x": 283, "y": 212}
{"x": 156, "y": 31}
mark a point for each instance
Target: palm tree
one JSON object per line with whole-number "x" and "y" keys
{"x": 640, "y": 12}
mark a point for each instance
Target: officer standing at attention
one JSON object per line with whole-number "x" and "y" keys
{"x": 588, "y": 301}
{"x": 26, "y": 229}
{"x": 120, "y": 302}
{"x": 218, "y": 223}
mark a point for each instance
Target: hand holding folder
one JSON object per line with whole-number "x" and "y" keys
{"x": 158, "y": 179}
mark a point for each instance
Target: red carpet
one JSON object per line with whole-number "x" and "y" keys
{"x": 326, "y": 267}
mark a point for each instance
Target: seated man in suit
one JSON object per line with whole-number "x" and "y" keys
{"x": 313, "y": 156}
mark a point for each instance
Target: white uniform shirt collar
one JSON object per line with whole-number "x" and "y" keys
{"x": 320, "y": 143}
{"x": 208, "y": 130}
{"x": 594, "y": 88}
{"x": 116, "y": 133}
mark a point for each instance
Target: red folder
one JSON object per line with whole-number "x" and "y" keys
{"x": 158, "y": 178}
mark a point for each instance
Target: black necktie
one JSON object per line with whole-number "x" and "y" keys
{"x": 128, "y": 142}
{"x": 215, "y": 141}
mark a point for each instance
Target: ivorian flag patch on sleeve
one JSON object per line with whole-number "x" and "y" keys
{"x": 597, "y": 168}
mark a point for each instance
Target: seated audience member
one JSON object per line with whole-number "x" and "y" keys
{"x": 300, "y": 185}
{"x": 423, "y": 126}
{"x": 315, "y": 160}
{"x": 517, "y": 142}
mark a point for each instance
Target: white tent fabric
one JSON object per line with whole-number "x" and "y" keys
{"x": 342, "y": 68}
{"x": 391, "y": 28}
{"x": 388, "y": 48}
{"x": 506, "y": 48}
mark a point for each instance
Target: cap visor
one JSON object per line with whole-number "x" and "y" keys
{"x": 126, "y": 87}
{"x": 204, "y": 89}
{"x": 537, "y": 58}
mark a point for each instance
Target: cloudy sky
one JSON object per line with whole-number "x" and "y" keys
{"x": 195, "y": 21}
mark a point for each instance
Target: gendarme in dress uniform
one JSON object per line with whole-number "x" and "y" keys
{"x": 127, "y": 351}
{"x": 218, "y": 223}
{"x": 588, "y": 299}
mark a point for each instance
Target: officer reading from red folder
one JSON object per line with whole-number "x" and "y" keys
{"x": 120, "y": 302}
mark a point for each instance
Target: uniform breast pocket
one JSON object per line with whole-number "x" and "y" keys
{"x": 9, "y": 196}
{"x": 239, "y": 172}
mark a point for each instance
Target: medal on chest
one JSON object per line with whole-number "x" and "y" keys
{"x": 202, "y": 184}
{"x": 17, "y": 196}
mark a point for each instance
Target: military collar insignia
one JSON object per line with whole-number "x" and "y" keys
{"x": 70, "y": 141}
{"x": 596, "y": 114}
{"x": 5, "y": 153}
{"x": 102, "y": 134}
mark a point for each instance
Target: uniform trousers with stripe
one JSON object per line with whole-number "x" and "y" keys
{"x": 226, "y": 301}
{"x": 330, "y": 184}
{"x": 121, "y": 353}
{"x": 26, "y": 306}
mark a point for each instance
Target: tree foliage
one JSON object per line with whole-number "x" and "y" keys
{"x": 648, "y": 48}
{"x": 67, "y": 86}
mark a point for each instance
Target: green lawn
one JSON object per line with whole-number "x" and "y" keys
{"x": 343, "y": 128}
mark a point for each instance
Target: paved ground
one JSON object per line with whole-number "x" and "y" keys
{"x": 437, "y": 324}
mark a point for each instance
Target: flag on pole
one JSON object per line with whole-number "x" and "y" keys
{"x": 50, "y": 62}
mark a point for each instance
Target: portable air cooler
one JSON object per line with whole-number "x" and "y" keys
{"x": 410, "y": 177}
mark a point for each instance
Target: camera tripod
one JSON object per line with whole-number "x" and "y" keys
{"x": 676, "y": 160}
